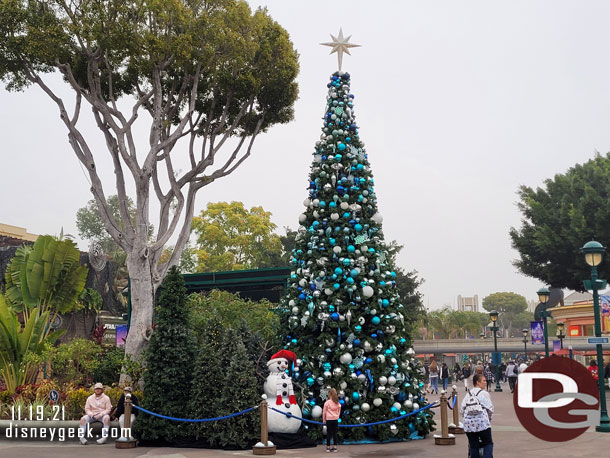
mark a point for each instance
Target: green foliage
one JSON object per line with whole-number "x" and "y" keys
{"x": 75, "y": 401}
{"x": 46, "y": 275}
{"x": 231, "y": 310}
{"x": 211, "y": 368}
{"x": 559, "y": 219}
{"x": 109, "y": 370}
{"x": 240, "y": 390}
{"x": 75, "y": 362}
{"x": 453, "y": 324}
{"x": 17, "y": 341}
{"x": 91, "y": 300}
{"x": 510, "y": 306}
{"x": 230, "y": 237}
{"x": 170, "y": 358}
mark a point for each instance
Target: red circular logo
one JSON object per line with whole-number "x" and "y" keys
{"x": 556, "y": 399}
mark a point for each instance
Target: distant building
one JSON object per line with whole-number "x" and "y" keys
{"x": 468, "y": 304}
{"x": 10, "y": 233}
{"x": 532, "y": 304}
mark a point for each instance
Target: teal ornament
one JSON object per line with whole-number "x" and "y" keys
{"x": 338, "y": 271}
{"x": 346, "y": 262}
{"x": 375, "y": 320}
{"x": 351, "y": 249}
{"x": 341, "y": 146}
{"x": 355, "y": 395}
{"x": 310, "y": 381}
{"x": 336, "y": 286}
{"x": 385, "y": 302}
{"x": 357, "y": 328}
{"x": 350, "y": 281}
{"x": 358, "y": 228}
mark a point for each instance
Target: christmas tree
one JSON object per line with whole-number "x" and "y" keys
{"x": 343, "y": 315}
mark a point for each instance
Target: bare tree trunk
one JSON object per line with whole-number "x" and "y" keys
{"x": 142, "y": 291}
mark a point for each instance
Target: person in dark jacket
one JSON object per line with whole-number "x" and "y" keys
{"x": 119, "y": 412}
{"x": 466, "y": 372}
{"x": 445, "y": 376}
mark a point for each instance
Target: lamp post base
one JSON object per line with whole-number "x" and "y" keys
{"x": 498, "y": 388}
{"x": 605, "y": 428}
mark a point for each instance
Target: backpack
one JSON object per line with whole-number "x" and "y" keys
{"x": 516, "y": 370}
{"x": 473, "y": 406}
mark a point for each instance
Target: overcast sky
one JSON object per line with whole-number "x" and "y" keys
{"x": 458, "y": 103}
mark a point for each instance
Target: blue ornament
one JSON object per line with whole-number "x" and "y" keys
{"x": 353, "y": 273}
{"x": 341, "y": 146}
{"x": 368, "y": 361}
{"x": 375, "y": 320}
{"x": 358, "y": 228}
{"x": 336, "y": 286}
{"x": 356, "y": 342}
{"x": 333, "y": 205}
{"x": 360, "y": 166}
{"x": 355, "y": 395}
{"x": 338, "y": 271}
{"x": 341, "y": 401}
{"x": 310, "y": 381}
{"x": 334, "y": 316}
{"x": 346, "y": 262}
{"x": 326, "y": 366}
{"x": 322, "y": 203}
{"x": 350, "y": 281}
{"x": 385, "y": 302}
{"x": 302, "y": 296}
{"x": 358, "y": 328}
{"x": 351, "y": 249}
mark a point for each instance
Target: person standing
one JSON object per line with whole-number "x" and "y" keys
{"x": 607, "y": 373}
{"x": 593, "y": 369}
{"x": 330, "y": 417}
{"x": 477, "y": 410}
{"x": 511, "y": 373}
{"x": 434, "y": 374}
{"x": 445, "y": 375}
{"x": 466, "y": 373}
{"x": 489, "y": 375}
{"x": 503, "y": 372}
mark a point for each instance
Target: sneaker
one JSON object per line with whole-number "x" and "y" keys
{"x": 327, "y": 450}
{"x": 334, "y": 450}
{"x": 83, "y": 441}
{"x": 102, "y": 440}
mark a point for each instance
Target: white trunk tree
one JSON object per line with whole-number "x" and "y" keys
{"x": 205, "y": 72}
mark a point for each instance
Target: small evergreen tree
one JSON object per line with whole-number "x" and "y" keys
{"x": 240, "y": 390}
{"x": 169, "y": 364}
{"x": 209, "y": 373}
{"x": 259, "y": 351}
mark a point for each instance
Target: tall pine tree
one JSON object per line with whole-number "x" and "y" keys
{"x": 343, "y": 314}
{"x": 169, "y": 365}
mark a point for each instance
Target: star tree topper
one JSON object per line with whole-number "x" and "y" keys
{"x": 340, "y": 45}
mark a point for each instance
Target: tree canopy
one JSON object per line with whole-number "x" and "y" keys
{"x": 230, "y": 237}
{"x": 510, "y": 306}
{"x": 196, "y": 74}
{"x": 559, "y": 219}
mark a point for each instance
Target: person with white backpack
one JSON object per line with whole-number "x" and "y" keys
{"x": 476, "y": 410}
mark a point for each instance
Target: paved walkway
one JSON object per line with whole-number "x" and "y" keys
{"x": 510, "y": 439}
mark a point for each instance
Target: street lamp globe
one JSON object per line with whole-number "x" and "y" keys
{"x": 594, "y": 252}
{"x": 560, "y": 327}
{"x": 543, "y": 295}
{"x": 494, "y": 316}
{"x": 525, "y": 331}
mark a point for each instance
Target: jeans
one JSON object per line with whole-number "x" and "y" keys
{"x": 481, "y": 439}
{"x": 434, "y": 384}
{"x": 511, "y": 383}
{"x": 445, "y": 382}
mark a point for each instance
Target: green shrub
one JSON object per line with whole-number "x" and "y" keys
{"x": 231, "y": 310}
{"x": 75, "y": 402}
{"x": 109, "y": 370}
{"x": 75, "y": 362}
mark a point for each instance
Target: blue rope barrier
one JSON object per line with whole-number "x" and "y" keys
{"x": 192, "y": 420}
{"x": 363, "y": 424}
{"x": 452, "y": 404}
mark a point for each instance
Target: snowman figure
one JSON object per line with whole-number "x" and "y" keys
{"x": 279, "y": 391}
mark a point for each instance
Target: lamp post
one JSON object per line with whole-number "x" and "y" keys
{"x": 494, "y": 318}
{"x": 543, "y": 297}
{"x": 525, "y": 331}
{"x": 560, "y": 335}
{"x": 594, "y": 252}
{"x": 482, "y": 337}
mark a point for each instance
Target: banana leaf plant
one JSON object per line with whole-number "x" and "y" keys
{"x": 46, "y": 276}
{"x": 17, "y": 340}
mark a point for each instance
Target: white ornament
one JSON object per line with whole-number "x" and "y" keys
{"x": 381, "y": 359}
{"x": 394, "y": 430}
{"x": 365, "y": 407}
{"x": 316, "y": 412}
{"x": 337, "y": 249}
{"x": 367, "y": 291}
{"x": 377, "y": 218}
{"x": 302, "y": 218}
{"x": 343, "y": 385}
{"x": 408, "y": 404}
{"x": 391, "y": 380}
{"x": 415, "y": 406}
{"x": 344, "y": 205}
{"x": 383, "y": 380}
{"x": 345, "y": 358}
{"x": 377, "y": 402}
{"x": 307, "y": 202}
{"x": 334, "y": 216}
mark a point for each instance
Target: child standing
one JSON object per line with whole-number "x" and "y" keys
{"x": 330, "y": 417}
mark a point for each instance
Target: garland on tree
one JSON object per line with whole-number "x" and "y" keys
{"x": 343, "y": 315}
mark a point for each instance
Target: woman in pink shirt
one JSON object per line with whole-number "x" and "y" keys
{"x": 330, "y": 417}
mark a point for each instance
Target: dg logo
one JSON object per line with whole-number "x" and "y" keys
{"x": 556, "y": 399}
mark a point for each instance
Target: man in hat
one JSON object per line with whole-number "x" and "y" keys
{"x": 97, "y": 408}
{"x": 120, "y": 409}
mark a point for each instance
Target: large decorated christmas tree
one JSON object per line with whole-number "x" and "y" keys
{"x": 344, "y": 318}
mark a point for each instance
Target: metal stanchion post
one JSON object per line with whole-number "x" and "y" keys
{"x": 456, "y": 428}
{"x": 445, "y": 438}
{"x": 264, "y": 447}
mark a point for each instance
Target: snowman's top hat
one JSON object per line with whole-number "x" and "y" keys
{"x": 282, "y": 354}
